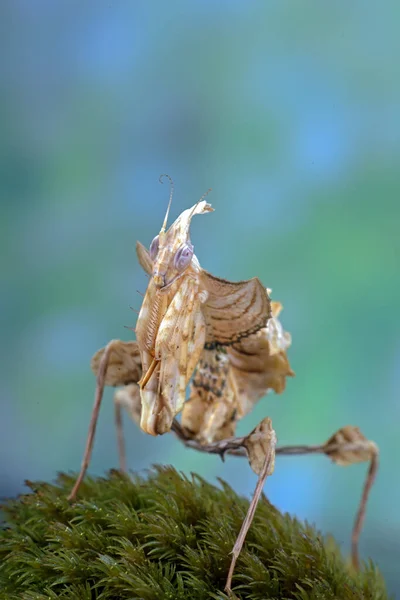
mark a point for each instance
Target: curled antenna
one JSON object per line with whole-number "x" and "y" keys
{"x": 160, "y": 179}
{"x": 197, "y": 203}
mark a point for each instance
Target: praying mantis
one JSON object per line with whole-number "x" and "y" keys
{"x": 225, "y": 342}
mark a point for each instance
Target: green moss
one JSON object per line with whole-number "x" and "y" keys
{"x": 165, "y": 536}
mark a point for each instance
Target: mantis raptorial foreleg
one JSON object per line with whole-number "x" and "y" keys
{"x": 161, "y": 386}
{"x": 187, "y": 330}
{"x": 169, "y": 329}
{"x": 196, "y": 343}
{"x": 173, "y": 351}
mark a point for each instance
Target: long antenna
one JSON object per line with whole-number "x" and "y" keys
{"x": 164, "y": 225}
{"x": 204, "y": 195}
{"x": 197, "y": 203}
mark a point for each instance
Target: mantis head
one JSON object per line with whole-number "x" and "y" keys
{"x": 171, "y": 251}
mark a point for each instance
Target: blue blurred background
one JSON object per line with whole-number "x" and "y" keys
{"x": 290, "y": 112}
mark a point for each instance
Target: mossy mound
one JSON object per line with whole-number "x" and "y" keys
{"x": 165, "y": 536}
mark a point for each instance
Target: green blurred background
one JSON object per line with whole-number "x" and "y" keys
{"x": 290, "y": 112}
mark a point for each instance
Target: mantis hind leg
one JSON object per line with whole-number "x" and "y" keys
{"x": 100, "y": 383}
{"x": 129, "y": 399}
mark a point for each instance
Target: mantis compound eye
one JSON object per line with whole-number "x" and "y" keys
{"x": 154, "y": 248}
{"x": 183, "y": 256}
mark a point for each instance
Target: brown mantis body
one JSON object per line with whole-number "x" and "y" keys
{"x": 228, "y": 337}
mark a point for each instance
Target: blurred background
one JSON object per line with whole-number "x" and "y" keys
{"x": 290, "y": 112}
